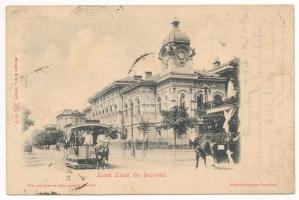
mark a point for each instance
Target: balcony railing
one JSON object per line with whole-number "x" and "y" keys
{"x": 216, "y": 104}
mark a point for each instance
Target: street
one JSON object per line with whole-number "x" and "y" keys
{"x": 155, "y": 166}
{"x": 123, "y": 160}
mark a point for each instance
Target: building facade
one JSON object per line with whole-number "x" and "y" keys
{"x": 49, "y": 128}
{"x": 67, "y": 117}
{"x": 134, "y": 99}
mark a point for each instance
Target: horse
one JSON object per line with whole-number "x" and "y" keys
{"x": 102, "y": 155}
{"x": 203, "y": 148}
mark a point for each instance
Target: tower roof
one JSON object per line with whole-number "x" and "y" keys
{"x": 176, "y": 35}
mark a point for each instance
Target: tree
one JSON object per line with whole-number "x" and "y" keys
{"x": 179, "y": 120}
{"x": 213, "y": 123}
{"x": 123, "y": 135}
{"x": 48, "y": 138}
{"x": 26, "y": 121}
{"x": 144, "y": 126}
{"x": 113, "y": 132}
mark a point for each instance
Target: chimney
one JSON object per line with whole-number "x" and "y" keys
{"x": 137, "y": 77}
{"x": 148, "y": 75}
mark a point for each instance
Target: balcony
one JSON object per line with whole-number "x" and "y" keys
{"x": 213, "y": 106}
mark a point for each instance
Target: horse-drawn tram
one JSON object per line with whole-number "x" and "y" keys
{"x": 87, "y": 146}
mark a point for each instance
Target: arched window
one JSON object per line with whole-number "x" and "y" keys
{"x": 199, "y": 101}
{"x": 217, "y": 100}
{"x": 159, "y": 104}
{"x": 218, "y": 97}
{"x": 182, "y": 100}
{"x": 165, "y": 104}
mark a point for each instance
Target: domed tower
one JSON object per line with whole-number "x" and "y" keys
{"x": 175, "y": 53}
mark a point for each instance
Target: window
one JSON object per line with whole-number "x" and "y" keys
{"x": 217, "y": 101}
{"x": 218, "y": 97}
{"x": 159, "y": 103}
{"x": 115, "y": 108}
{"x": 182, "y": 100}
{"x": 199, "y": 101}
{"x": 165, "y": 105}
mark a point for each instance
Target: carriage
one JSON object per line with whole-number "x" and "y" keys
{"x": 217, "y": 145}
{"x": 220, "y": 144}
{"x": 82, "y": 150}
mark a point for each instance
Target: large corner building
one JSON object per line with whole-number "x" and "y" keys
{"x": 133, "y": 99}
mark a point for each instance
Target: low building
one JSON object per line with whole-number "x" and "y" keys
{"x": 49, "y": 128}
{"x": 67, "y": 117}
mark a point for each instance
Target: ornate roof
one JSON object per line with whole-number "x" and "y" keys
{"x": 176, "y": 35}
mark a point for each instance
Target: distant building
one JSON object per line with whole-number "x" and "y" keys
{"x": 49, "y": 128}
{"x": 67, "y": 117}
{"x": 125, "y": 101}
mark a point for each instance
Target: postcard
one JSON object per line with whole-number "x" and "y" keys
{"x": 150, "y": 99}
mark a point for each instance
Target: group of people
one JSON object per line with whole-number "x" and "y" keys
{"x": 28, "y": 149}
{"x": 101, "y": 147}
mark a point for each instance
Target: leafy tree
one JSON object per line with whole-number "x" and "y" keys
{"x": 213, "y": 123}
{"x": 179, "y": 120}
{"x": 26, "y": 121}
{"x": 113, "y": 132}
{"x": 124, "y": 134}
{"x": 48, "y": 138}
{"x": 144, "y": 126}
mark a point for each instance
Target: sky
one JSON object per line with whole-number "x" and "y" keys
{"x": 86, "y": 48}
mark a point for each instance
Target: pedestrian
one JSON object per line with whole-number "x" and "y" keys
{"x": 88, "y": 139}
